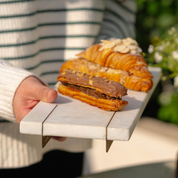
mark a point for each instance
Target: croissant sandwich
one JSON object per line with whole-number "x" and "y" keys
{"x": 118, "y": 60}
{"x": 94, "y": 90}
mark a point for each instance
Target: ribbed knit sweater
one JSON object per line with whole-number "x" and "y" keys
{"x": 36, "y": 37}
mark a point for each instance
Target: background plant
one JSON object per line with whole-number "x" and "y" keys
{"x": 164, "y": 53}
{"x": 156, "y": 30}
{"x": 154, "y": 17}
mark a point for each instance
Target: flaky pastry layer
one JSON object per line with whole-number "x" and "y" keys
{"x": 132, "y": 63}
{"x": 108, "y": 105}
{"x": 129, "y": 81}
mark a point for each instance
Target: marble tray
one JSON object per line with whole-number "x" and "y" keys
{"x": 72, "y": 118}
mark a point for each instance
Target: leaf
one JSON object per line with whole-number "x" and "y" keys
{"x": 165, "y": 20}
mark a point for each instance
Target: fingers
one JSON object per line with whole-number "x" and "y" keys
{"x": 60, "y": 139}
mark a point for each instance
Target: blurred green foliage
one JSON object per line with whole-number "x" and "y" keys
{"x": 154, "y": 17}
{"x": 169, "y": 112}
{"x": 164, "y": 53}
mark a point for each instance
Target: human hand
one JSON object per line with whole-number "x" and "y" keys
{"x": 28, "y": 94}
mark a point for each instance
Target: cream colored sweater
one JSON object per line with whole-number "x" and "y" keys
{"x": 35, "y": 38}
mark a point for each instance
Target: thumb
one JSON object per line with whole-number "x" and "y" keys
{"x": 46, "y": 94}
{"x": 38, "y": 91}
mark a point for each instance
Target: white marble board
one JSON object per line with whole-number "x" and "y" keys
{"x": 72, "y": 118}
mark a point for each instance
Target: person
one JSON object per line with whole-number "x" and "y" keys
{"x": 36, "y": 37}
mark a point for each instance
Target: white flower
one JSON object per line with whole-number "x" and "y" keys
{"x": 150, "y": 48}
{"x": 175, "y": 54}
{"x": 168, "y": 43}
{"x": 176, "y": 81}
{"x": 160, "y": 48}
{"x": 173, "y": 29}
{"x": 158, "y": 57}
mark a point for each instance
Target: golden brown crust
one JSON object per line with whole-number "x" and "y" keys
{"x": 108, "y": 105}
{"x": 123, "y": 77}
{"x": 132, "y": 63}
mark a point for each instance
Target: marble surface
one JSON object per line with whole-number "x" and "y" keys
{"x": 72, "y": 118}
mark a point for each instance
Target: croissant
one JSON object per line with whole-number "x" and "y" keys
{"x": 118, "y": 54}
{"x": 92, "y": 90}
{"x": 123, "y": 77}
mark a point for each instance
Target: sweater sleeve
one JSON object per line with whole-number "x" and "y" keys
{"x": 118, "y": 20}
{"x": 10, "y": 79}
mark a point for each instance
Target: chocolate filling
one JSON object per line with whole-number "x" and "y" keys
{"x": 90, "y": 91}
{"x": 108, "y": 87}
